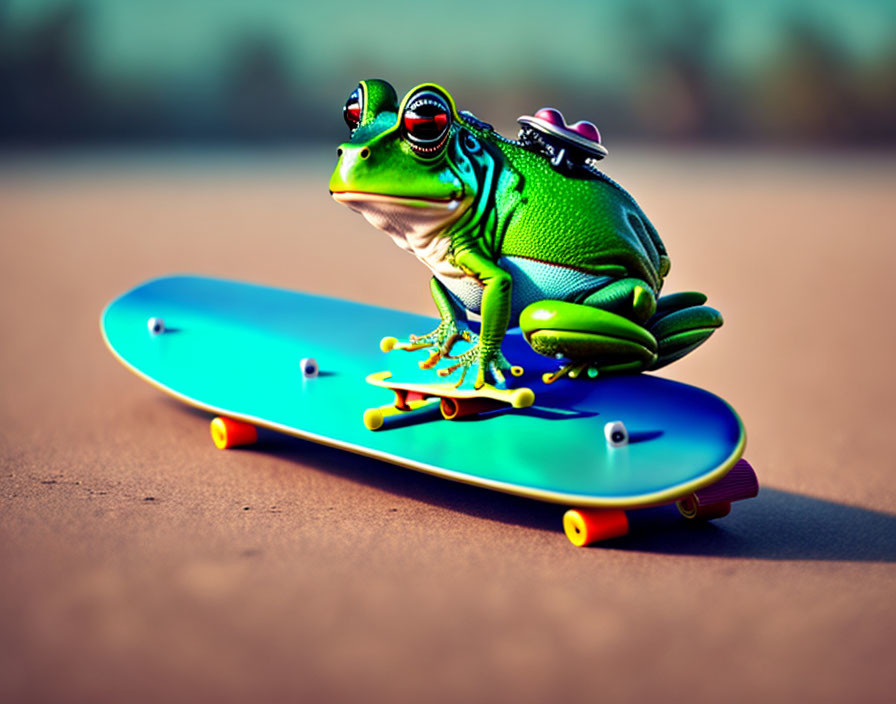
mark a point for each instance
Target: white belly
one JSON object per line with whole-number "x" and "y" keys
{"x": 431, "y": 250}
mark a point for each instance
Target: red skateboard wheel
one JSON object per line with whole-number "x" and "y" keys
{"x": 227, "y": 433}
{"x": 586, "y": 526}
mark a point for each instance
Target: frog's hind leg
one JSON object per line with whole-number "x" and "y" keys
{"x": 631, "y": 298}
{"x": 595, "y": 341}
{"x": 680, "y": 324}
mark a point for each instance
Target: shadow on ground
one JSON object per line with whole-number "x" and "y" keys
{"x": 777, "y": 525}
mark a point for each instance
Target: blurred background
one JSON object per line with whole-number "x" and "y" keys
{"x": 819, "y": 74}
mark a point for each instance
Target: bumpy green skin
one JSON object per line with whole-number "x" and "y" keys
{"x": 504, "y": 230}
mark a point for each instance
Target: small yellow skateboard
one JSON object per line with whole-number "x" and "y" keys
{"x": 420, "y": 401}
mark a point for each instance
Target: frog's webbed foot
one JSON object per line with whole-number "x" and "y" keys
{"x": 492, "y": 364}
{"x": 446, "y": 329}
{"x": 439, "y": 341}
{"x": 440, "y": 351}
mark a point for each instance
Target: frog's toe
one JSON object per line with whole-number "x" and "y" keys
{"x": 643, "y": 303}
{"x": 431, "y": 361}
{"x": 604, "y": 340}
{"x": 387, "y": 344}
{"x": 680, "y": 325}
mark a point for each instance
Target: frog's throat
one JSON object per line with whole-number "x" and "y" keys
{"x": 411, "y": 222}
{"x": 403, "y": 216}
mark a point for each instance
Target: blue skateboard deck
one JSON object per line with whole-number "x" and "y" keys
{"x": 234, "y": 349}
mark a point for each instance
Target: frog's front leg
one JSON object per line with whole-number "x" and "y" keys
{"x": 495, "y": 313}
{"x": 451, "y": 328}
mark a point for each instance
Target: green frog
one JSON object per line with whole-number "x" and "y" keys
{"x": 566, "y": 254}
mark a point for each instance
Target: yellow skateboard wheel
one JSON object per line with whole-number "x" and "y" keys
{"x": 374, "y": 418}
{"x": 586, "y": 526}
{"x": 522, "y": 398}
{"x": 227, "y": 433}
{"x": 387, "y": 344}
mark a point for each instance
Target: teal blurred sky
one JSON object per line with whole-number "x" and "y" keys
{"x": 274, "y": 69}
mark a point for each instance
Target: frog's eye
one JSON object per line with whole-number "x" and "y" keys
{"x": 352, "y": 110}
{"x": 426, "y": 122}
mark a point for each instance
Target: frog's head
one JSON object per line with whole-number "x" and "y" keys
{"x": 409, "y": 167}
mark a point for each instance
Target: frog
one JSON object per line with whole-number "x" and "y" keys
{"x": 567, "y": 257}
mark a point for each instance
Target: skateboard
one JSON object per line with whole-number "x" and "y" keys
{"x": 312, "y": 367}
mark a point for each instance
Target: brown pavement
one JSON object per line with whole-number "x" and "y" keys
{"x": 139, "y": 563}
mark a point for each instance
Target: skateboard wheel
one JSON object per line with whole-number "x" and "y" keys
{"x": 374, "y": 418}
{"x": 156, "y": 326}
{"x": 387, "y": 344}
{"x": 522, "y": 398}
{"x": 227, "y": 433}
{"x": 586, "y": 526}
{"x": 740, "y": 483}
{"x": 691, "y": 509}
{"x": 309, "y": 367}
{"x": 616, "y": 434}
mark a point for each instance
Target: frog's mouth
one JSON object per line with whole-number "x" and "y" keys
{"x": 403, "y": 216}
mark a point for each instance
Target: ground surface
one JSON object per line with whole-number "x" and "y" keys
{"x": 141, "y": 564}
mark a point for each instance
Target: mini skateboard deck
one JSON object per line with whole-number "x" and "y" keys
{"x": 312, "y": 367}
{"x": 417, "y": 400}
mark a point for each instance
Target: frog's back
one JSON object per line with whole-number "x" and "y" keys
{"x": 590, "y": 224}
